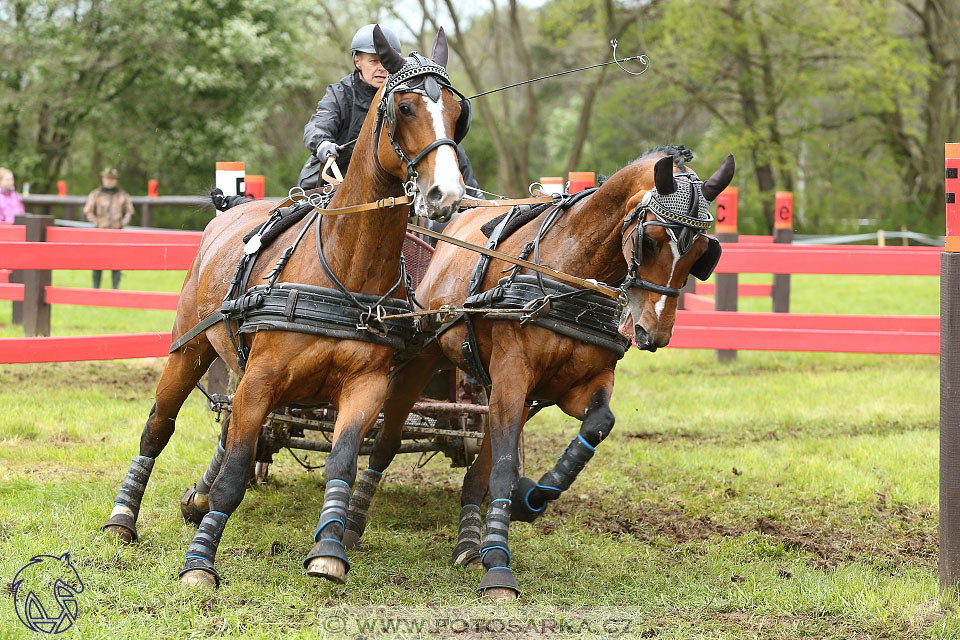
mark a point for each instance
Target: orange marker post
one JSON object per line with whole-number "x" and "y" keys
{"x": 727, "y": 211}
{"x": 952, "y": 162}
{"x": 950, "y": 379}
{"x": 580, "y": 180}
{"x": 61, "y": 188}
{"x": 255, "y": 186}
{"x": 782, "y": 234}
{"x": 552, "y": 185}
{"x": 229, "y": 178}
{"x": 153, "y": 189}
{"x": 783, "y": 207}
{"x": 726, "y": 283}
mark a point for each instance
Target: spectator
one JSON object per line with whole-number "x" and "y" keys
{"x": 341, "y": 111}
{"x": 10, "y": 203}
{"x": 108, "y": 208}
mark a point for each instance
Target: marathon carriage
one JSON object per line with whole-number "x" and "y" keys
{"x": 449, "y": 418}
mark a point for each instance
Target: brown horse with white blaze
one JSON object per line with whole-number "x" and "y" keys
{"x": 643, "y": 228}
{"x": 363, "y": 252}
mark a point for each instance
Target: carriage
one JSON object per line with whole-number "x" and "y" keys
{"x": 449, "y": 418}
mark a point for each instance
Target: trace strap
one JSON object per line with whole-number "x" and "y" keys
{"x": 558, "y": 275}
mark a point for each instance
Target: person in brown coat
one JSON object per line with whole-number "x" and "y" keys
{"x": 108, "y": 208}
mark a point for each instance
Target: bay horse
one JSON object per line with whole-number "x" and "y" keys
{"x": 636, "y": 229}
{"x": 404, "y": 145}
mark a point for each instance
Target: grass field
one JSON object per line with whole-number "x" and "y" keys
{"x": 778, "y": 496}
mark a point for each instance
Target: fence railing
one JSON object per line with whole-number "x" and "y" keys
{"x": 36, "y": 248}
{"x": 71, "y": 207}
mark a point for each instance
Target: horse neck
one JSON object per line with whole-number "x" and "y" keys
{"x": 363, "y": 249}
{"x": 585, "y": 241}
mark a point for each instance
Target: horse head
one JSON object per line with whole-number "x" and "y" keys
{"x": 425, "y": 118}
{"x": 664, "y": 241}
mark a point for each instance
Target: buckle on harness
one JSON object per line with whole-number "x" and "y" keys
{"x": 367, "y": 316}
{"x": 534, "y": 309}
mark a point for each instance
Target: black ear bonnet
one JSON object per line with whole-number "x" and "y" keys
{"x": 426, "y": 77}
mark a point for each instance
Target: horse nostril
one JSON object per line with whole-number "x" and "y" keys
{"x": 435, "y": 195}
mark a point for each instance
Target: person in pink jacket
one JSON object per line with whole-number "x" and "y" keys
{"x": 10, "y": 203}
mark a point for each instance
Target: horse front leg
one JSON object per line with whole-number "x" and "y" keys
{"x": 180, "y": 374}
{"x": 257, "y": 394}
{"x": 529, "y": 498}
{"x": 403, "y": 391}
{"x": 358, "y": 406}
{"x": 507, "y": 399}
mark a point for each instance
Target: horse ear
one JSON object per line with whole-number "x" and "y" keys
{"x": 391, "y": 60}
{"x": 440, "y": 53}
{"x": 719, "y": 180}
{"x": 663, "y": 176}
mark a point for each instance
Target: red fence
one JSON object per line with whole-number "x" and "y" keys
{"x": 68, "y": 248}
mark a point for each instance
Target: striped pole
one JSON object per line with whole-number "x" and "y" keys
{"x": 950, "y": 379}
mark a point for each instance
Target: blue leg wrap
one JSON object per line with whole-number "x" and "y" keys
{"x": 203, "y": 550}
{"x": 329, "y": 534}
{"x": 127, "y": 505}
{"x": 530, "y": 499}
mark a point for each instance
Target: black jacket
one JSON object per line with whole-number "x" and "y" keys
{"x": 339, "y": 117}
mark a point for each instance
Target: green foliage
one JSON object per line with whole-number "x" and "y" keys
{"x": 840, "y": 102}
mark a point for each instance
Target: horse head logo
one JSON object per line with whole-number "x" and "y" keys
{"x": 45, "y": 593}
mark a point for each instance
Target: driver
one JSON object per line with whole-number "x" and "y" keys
{"x": 342, "y": 110}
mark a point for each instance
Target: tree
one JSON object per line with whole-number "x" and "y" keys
{"x": 772, "y": 73}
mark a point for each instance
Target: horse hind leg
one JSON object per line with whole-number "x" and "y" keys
{"x": 181, "y": 373}
{"x": 195, "y": 502}
{"x": 466, "y": 551}
{"x": 255, "y": 397}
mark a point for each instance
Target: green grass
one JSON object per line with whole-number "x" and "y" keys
{"x": 781, "y": 495}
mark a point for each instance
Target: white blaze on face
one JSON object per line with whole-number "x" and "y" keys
{"x": 662, "y": 302}
{"x": 446, "y": 169}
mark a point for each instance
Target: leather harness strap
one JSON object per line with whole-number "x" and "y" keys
{"x": 557, "y": 275}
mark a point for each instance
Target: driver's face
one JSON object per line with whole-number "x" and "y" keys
{"x": 371, "y": 71}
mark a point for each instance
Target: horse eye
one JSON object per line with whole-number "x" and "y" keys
{"x": 405, "y": 109}
{"x": 649, "y": 246}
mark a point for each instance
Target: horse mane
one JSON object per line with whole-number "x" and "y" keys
{"x": 680, "y": 153}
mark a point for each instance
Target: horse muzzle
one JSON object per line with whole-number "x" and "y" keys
{"x": 643, "y": 339}
{"x": 440, "y": 203}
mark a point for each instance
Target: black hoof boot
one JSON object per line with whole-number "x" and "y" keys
{"x": 466, "y": 554}
{"x": 122, "y": 524}
{"x": 327, "y": 560}
{"x": 523, "y": 506}
{"x": 499, "y": 584}
{"x": 199, "y": 572}
{"x": 191, "y": 513}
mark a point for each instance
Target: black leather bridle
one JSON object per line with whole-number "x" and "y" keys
{"x": 683, "y": 223}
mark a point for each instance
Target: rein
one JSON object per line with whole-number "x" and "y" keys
{"x": 493, "y": 253}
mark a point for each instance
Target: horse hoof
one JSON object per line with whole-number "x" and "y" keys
{"x": 191, "y": 512}
{"x": 332, "y": 569}
{"x": 351, "y": 539}
{"x": 198, "y": 578}
{"x": 122, "y": 534}
{"x": 469, "y": 558}
{"x": 499, "y": 594}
